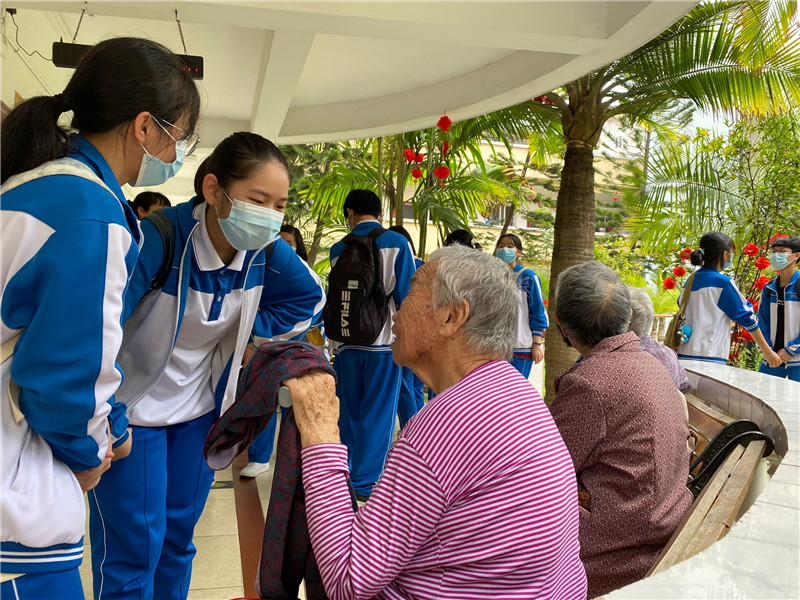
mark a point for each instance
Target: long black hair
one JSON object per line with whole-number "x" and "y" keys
{"x": 300, "y": 245}
{"x": 117, "y": 79}
{"x": 713, "y": 245}
{"x": 237, "y": 157}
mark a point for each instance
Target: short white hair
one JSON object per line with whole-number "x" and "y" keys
{"x": 490, "y": 289}
{"x": 642, "y": 310}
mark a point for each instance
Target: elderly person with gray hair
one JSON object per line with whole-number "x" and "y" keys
{"x": 641, "y": 324}
{"x": 478, "y": 496}
{"x": 622, "y": 419}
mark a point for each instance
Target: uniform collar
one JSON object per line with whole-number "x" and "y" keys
{"x": 204, "y": 251}
{"x": 83, "y": 150}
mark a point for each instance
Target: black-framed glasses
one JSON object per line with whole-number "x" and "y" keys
{"x": 190, "y": 142}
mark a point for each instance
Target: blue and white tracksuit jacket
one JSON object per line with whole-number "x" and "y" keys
{"x": 768, "y": 317}
{"x": 70, "y": 243}
{"x": 279, "y": 301}
{"x": 714, "y": 302}
{"x": 397, "y": 265}
{"x": 532, "y": 317}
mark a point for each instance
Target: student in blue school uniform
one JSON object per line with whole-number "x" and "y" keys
{"x": 779, "y": 309}
{"x": 69, "y": 245}
{"x": 412, "y": 394}
{"x": 181, "y": 352}
{"x": 715, "y": 301}
{"x": 532, "y": 321}
{"x": 368, "y": 378}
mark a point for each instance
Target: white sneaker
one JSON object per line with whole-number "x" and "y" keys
{"x": 254, "y": 469}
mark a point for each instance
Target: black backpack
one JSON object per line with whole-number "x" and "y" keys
{"x": 357, "y": 306}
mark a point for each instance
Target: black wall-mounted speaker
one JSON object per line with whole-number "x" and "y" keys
{"x": 69, "y": 55}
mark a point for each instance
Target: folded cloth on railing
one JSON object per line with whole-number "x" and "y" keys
{"x": 286, "y": 555}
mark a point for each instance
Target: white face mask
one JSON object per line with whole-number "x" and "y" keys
{"x": 249, "y": 227}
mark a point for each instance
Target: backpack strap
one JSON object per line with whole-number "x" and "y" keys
{"x": 166, "y": 230}
{"x": 373, "y": 235}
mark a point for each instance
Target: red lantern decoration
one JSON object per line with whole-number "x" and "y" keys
{"x": 445, "y": 147}
{"x": 761, "y": 282}
{"x": 441, "y": 172}
{"x": 750, "y": 249}
{"x": 778, "y": 235}
{"x": 409, "y": 154}
{"x": 669, "y": 283}
{"x": 746, "y": 336}
{"x": 686, "y": 254}
{"x": 416, "y": 173}
{"x": 444, "y": 123}
{"x": 762, "y": 262}
{"x": 754, "y": 302}
{"x": 419, "y": 158}
{"x": 679, "y": 271}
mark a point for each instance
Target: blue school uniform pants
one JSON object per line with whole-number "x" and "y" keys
{"x": 143, "y": 512}
{"x": 260, "y": 449}
{"x": 783, "y": 371}
{"x": 411, "y": 398}
{"x": 57, "y": 585}
{"x": 523, "y": 365}
{"x": 368, "y": 387}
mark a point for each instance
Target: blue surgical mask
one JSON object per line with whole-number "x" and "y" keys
{"x": 249, "y": 227}
{"x": 154, "y": 171}
{"x": 507, "y": 255}
{"x": 728, "y": 264}
{"x": 779, "y": 260}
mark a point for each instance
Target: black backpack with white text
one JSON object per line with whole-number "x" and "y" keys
{"x": 357, "y": 305}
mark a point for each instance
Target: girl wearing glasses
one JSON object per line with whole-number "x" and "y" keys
{"x": 69, "y": 245}
{"x": 231, "y": 275}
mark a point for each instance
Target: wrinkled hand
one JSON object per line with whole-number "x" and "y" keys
{"x": 773, "y": 359}
{"x": 316, "y": 407}
{"x": 537, "y": 353}
{"x": 784, "y": 355}
{"x": 124, "y": 448}
{"x": 89, "y": 479}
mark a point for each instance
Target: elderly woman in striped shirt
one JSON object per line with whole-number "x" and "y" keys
{"x": 478, "y": 497}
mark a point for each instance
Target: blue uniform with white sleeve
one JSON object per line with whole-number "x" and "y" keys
{"x": 181, "y": 353}
{"x": 768, "y": 323}
{"x": 714, "y": 302}
{"x": 70, "y": 243}
{"x": 532, "y": 318}
{"x": 369, "y": 379}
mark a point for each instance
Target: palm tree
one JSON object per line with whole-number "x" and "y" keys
{"x": 722, "y": 56}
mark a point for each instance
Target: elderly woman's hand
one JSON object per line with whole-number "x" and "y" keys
{"x": 316, "y": 407}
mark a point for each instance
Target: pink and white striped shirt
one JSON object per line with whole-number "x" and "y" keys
{"x": 478, "y": 499}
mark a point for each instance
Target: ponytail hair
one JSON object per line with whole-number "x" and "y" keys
{"x": 116, "y": 80}
{"x": 237, "y": 157}
{"x": 713, "y": 245}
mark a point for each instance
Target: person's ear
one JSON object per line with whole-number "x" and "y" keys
{"x": 211, "y": 189}
{"x": 141, "y": 213}
{"x": 453, "y": 318}
{"x": 141, "y": 125}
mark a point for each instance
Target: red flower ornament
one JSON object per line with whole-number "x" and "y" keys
{"x": 746, "y": 336}
{"x": 444, "y": 123}
{"x": 761, "y": 282}
{"x": 545, "y": 302}
{"x": 762, "y": 262}
{"x": 669, "y": 283}
{"x": 445, "y": 147}
{"x": 754, "y": 302}
{"x": 416, "y": 173}
{"x": 409, "y": 154}
{"x": 419, "y": 158}
{"x": 686, "y": 254}
{"x": 441, "y": 172}
{"x": 679, "y": 271}
{"x": 750, "y": 249}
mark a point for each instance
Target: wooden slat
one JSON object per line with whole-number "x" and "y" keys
{"x": 680, "y": 540}
{"x": 722, "y": 514}
{"x": 708, "y": 409}
{"x": 250, "y": 521}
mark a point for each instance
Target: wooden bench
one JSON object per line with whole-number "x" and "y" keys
{"x": 716, "y": 508}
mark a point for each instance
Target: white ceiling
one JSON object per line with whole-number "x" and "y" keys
{"x": 319, "y": 71}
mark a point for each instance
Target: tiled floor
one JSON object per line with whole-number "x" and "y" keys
{"x": 217, "y": 569}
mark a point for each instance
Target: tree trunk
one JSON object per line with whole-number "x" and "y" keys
{"x": 573, "y": 243}
{"x": 400, "y": 186}
{"x": 510, "y": 213}
{"x": 315, "y": 241}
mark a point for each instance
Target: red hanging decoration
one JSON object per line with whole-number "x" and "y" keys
{"x": 409, "y": 154}
{"x": 761, "y": 282}
{"x": 416, "y": 173}
{"x": 750, "y": 249}
{"x": 419, "y": 158}
{"x": 445, "y": 148}
{"x": 686, "y": 253}
{"x": 679, "y": 271}
{"x": 441, "y": 172}
{"x": 444, "y": 123}
{"x": 670, "y": 283}
{"x": 762, "y": 262}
